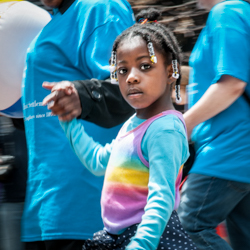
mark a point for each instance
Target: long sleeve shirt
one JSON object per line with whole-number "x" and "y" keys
{"x": 164, "y": 146}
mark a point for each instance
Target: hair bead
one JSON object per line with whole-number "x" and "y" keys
{"x": 178, "y": 93}
{"x": 175, "y": 69}
{"x": 112, "y": 68}
{"x": 151, "y": 51}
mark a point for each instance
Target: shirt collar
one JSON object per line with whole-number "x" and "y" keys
{"x": 65, "y": 5}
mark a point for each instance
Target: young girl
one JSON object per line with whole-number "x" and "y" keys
{"x": 141, "y": 165}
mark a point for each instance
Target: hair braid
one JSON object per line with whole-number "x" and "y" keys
{"x": 161, "y": 37}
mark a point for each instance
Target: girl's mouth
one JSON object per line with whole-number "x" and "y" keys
{"x": 134, "y": 92}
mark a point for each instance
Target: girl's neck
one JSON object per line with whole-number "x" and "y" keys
{"x": 148, "y": 113}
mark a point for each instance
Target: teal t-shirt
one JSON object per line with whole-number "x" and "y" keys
{"x": 63, "y": 198}
{"x": 223, "y": 142}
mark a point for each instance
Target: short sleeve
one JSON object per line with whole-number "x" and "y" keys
{"x": 229, "y": 38}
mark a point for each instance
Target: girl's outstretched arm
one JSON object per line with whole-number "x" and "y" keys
{"x": 167, "y": 151}
{"x": 92, "y": 154}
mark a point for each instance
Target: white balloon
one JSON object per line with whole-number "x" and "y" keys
{"x": 20, "y": 22}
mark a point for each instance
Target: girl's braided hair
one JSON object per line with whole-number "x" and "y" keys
{"x": 151, "y": 31}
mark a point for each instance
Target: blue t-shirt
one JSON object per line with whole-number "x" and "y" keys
{"x": 63, "y": 198}
{"x": 223, "y": 142}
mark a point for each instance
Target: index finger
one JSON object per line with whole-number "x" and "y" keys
{"x": 48, "y": 85}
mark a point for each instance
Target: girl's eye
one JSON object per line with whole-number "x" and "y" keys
{"x": 122, "y": 71}
{"x": 145, "y": 66}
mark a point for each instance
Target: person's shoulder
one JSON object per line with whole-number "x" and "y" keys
{"x": 92, "y": 4}
{"x": 228, "y": 13}
{"x": 104, "y": 10}
{"x": 104, "y": 4}
{"x": 228, "y": 8}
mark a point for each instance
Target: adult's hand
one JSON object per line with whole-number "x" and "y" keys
{"x": 63, "y": 100}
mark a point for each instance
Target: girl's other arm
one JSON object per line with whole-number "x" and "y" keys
{"x": 92, "y": 154}
{"x": 165, "y": 158}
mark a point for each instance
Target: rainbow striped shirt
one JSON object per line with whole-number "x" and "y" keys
{"x": 125, "y": 189}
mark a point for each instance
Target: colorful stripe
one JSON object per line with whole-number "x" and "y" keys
{"x": 128, "y": 176}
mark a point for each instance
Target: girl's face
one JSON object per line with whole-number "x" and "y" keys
{"x": 145, "y": 86}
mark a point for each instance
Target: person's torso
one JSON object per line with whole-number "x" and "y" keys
{"x": 60, "y": 190}
{"x": 222, "y": 142}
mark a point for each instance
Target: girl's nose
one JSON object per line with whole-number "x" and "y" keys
{"x": 133, "y": 77}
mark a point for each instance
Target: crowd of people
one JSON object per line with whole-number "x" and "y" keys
{"x": 97, "y": 101}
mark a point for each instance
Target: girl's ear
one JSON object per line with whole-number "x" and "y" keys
{"x": 170, "y": 71}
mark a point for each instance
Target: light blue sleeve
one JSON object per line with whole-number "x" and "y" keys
{"x": 167, "y": 150}
{"x": 229, "y": 36}
{"x": 93, "y": 155}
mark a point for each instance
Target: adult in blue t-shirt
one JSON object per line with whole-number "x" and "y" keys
{"x": 218, "y": 187}
{"x": 62, "y": 205}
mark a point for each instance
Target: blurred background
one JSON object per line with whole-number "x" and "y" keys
{"x": 181, "y": 16}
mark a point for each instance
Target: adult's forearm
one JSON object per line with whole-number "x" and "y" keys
{"x": 102, "y": 103}
{"x": 217, "y": 98}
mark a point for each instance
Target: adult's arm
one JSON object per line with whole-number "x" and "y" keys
{"x": 92, "y": 100}
{"x": 230, "y": 63}
{"x": 218, "y": 97}
{"x": 107, "y": 106}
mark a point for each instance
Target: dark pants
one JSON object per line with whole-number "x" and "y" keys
{"x": 55, "y": 245}
{"x": 10, "y": 226}
{"x": 207, "y": 201}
